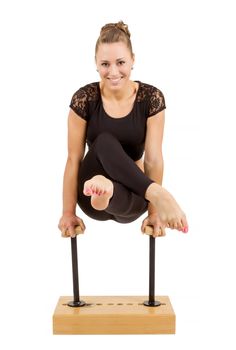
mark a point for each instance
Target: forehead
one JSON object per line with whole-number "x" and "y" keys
{"x": 112, "y": 51}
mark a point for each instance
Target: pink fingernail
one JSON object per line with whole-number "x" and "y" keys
{"x": 185, "y": 229}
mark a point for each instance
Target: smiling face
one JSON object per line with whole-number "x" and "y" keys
{"x": 114, "y": 63}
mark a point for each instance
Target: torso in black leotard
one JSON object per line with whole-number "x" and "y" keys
{"x": 130, "y": 130}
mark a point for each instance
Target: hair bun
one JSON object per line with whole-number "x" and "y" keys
{"x": 114, "y": 33}
{"x": 119, "y": 25}
{"x": 122, "y": 26}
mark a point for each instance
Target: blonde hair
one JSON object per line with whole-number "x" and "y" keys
{"x": 113, "y": 33}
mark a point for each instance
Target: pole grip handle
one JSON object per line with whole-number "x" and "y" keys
{"x": 148, "y": 230}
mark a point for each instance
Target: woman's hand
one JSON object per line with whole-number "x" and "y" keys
{"x": 67, "y": 225}
{"x": 154, "y": 221}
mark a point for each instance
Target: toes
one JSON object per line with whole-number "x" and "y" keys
{"x": 163, "y": 232}
{"x": 185, "y": 229}
{"x": 172, "y": 224}
{"x": 178, "y": 225}
{"x": 184, "y": 221}
{"x": 87, "y": 191}
{"x": 97, "y": 186}
{"x": 184, "y": 224}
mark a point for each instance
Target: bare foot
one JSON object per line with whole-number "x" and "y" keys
{"x": 100, "y": 189}
{"x": 168, "y": 209}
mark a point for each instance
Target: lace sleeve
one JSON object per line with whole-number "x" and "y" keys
{"x": 79, "y": 103}
{"x": 157, "y": 102}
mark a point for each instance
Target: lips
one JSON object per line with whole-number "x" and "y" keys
{"x": 115, "y": 81}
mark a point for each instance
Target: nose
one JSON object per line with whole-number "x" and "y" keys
{"x": 113, "y": 70}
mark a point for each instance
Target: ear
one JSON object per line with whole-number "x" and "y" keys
{"x": 95, "y": 61}
{"x": 133, "y": 57}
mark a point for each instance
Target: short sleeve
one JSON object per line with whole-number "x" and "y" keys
{"x": 79, "y": 103}
{"x": 156, "y": 103}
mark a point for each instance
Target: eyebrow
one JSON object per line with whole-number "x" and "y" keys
{"x": 118, "y": 59}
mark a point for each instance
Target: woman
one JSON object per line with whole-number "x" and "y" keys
{"x": 119, "y": 119}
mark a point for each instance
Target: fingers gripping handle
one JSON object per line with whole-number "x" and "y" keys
{"x": 78, "y": 230}
{"x": 148, "y": 230}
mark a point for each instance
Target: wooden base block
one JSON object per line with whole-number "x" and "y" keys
{"x": 114, "y": 315}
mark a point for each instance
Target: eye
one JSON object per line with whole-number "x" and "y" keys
{"x": 105, "y": 64}
{"x": 121, "y": 63}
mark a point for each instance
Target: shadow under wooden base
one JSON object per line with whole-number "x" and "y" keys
{"x": 114, "y": 315}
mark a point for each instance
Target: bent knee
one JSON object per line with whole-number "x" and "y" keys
{"x": 105, "y": 140}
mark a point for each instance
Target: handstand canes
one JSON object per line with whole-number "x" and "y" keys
{"x": 76, "y": 302}
{"x": 114, "y": 315}
{"x": 151, "y": 301}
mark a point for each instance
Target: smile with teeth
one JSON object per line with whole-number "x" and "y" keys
{"x": 115, "y": 80}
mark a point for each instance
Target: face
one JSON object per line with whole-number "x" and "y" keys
{"x": 114, "y": 63}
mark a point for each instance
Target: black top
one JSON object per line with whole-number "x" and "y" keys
{"x": 130, "y": 130}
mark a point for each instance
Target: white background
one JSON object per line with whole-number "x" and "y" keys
{"x": 186, "y": 48}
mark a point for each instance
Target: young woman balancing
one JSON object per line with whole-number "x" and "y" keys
{"x": 120, "y": 120}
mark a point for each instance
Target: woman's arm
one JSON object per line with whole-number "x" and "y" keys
{"x": 153, "y": 167}
{"x": 153, "y": 158}
{"x": 76, "y": 148}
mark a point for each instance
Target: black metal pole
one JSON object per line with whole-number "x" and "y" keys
{"x": 76, "y": 302}
{"x": 151, "y": 301}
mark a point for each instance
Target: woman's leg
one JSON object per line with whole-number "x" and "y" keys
{"x": 120, "y": 168}
{"x": 118, "y": 165}
{"x": 107, "y": 159}
{"x": 124, "y": 205}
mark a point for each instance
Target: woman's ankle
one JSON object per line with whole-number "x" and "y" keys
{"x": 152, "y": 191}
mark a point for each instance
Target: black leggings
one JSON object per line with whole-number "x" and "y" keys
{"x": 106, "y": 157}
